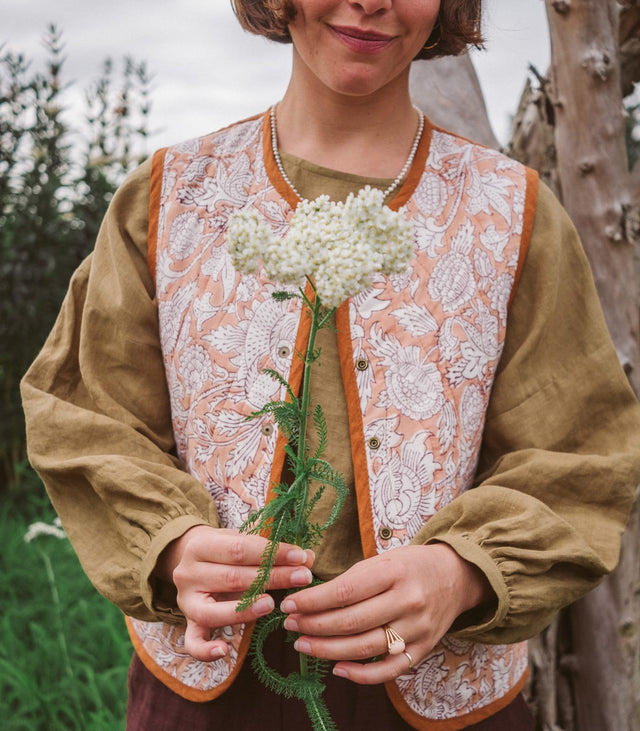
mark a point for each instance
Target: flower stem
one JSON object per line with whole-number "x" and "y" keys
{"x": 62, "y": 640}
{"x": 305, "y": 397}
{"x": 301, "y": 466}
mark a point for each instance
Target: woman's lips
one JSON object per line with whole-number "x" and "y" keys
{"x": 361, "y": 41}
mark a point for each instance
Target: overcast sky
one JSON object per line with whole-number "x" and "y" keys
{"x": 208, "y": 72}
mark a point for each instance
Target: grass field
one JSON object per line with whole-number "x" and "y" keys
{"x": 64, "y": 651}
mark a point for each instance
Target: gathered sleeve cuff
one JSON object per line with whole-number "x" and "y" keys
{"x": 560, "y": 457}
{"x": 98, "y": 419}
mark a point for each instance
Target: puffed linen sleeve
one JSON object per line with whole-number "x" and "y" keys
{"x": 561, "y": 447}
{"x": 98, "y": 418}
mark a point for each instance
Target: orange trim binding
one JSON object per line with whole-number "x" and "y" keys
{"x": 155, "y": 190}
{"x": 402, "y": 196}
{"x": 184, "y": 691}
{"x": 451, "y": 724}
{"x": 407, "y": 189}
{"x": 295, "y": 378}
{"x": 356, "y": 429}
{"x": 275, "y": 176}
{"x": 531, "y": 198}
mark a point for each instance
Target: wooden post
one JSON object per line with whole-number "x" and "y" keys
{"x": 592, "y": 159}
{"x": 595, "y": 187}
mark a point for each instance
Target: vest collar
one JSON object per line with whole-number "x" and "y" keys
{"x": 402, "y": 195}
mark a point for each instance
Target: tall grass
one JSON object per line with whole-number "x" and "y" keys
{"x": 64, "y": 650}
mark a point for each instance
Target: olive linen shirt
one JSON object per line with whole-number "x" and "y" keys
{"x": 558, "y": 466}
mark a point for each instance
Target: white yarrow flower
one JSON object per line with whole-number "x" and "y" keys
{"x": 44, "y": 529}
{"x": 340, "y": 246}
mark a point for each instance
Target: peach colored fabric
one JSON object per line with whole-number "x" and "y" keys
{"x": 420, "y": 349}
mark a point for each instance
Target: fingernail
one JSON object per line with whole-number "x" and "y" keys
{"x": 302, "y": 646}
{"x": 301, "y": 577}
{"x": 288, "y": 606}
{"x": 296, "y": 555}
{"x": 340, "y": 672}
{"x": 217, "y": 653}
{"x": 263, "y": 605}
{"x": 291, "y": 624}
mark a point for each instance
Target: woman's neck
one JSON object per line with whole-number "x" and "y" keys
{"x": 369, "y": 136}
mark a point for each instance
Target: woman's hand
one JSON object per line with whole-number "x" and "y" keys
{"x": 211, "y": 568}
{"x": 418, "y": 590}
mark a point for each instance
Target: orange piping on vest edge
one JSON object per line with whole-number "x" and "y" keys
{"x": 451, "y": 724}
{"x": 531, "y": 198}
{"x": 185, "y": 691}
{"x": 155, "y": 190}
{"x": 273, "y": 172}
{"x": 356, "y": 429}
{"x": 365, "y": 517}
{"x": 409, "y": 186}
{"x": 295, "y": 378}
{"x": 402, "y": 196}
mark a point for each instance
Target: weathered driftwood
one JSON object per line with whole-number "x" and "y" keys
{"x": 532, "y": 137}
{"x": 448, "y": 91}
{"x": 596, "y": 190}
{"x": 591, "y": 153}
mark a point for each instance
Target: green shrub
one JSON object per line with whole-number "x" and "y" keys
{"x": 55, "y": 185}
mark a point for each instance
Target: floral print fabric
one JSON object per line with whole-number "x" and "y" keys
{"x": 426, "y": 344}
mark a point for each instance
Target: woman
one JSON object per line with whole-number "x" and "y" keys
{"x": 428, "y": 392}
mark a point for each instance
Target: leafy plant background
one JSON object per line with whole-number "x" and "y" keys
{"x": 65, "y": 652}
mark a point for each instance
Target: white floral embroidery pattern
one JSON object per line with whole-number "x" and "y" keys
{"x": 186, "y": 231}
{"x": 437, "y": 348}
{"x": 431, "y": 339}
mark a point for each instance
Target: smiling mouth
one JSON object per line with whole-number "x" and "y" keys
{"x": 363, "y": 35}
{"x": 362, "y": 41}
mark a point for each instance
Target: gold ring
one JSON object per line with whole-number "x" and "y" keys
{"x": 409, "y": 658}
{"x": 395, "y": 643}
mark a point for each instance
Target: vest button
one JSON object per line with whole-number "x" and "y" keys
{"x": 284, "y": 351}
{"x": 362, "y": 364}
{"x": 374, "y": 443}
{"x": 267, "y": 430}
{"x": 385, "y": 533}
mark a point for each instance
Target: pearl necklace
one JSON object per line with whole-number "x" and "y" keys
{"x": 398, "y": 180}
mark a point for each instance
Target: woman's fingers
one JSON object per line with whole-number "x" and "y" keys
{"x": 363, "y": 646}
{"x": 208, "y": 612}
{"x": 225, "y": 579}
{"x": 419, "y": 590}
{"x": 198, "y": 643}
{"x": 354, "y": 619}
{"x": 389, "y": 668}
{"x": 226, "y": 546}
{"x": 363, "y": 580}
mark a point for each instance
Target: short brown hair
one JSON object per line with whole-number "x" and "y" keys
{"x": 458, "y": 25}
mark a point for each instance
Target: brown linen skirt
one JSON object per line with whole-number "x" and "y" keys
{"x": 248, "y": 705}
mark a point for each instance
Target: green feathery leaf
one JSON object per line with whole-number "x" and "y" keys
{"x": 313, "y": 501}
{"x": 314, "y": 356}
{"x": 321, "y": 430}
{"x": 323, "y": 473}
{"x": 308, "y": 688}
{"x": 282, "y": 381}
{"x": 282, "y": 296}
{"x": 319, "y": 714}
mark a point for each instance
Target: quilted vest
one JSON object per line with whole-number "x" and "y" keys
{"x": 418, "y": 355}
